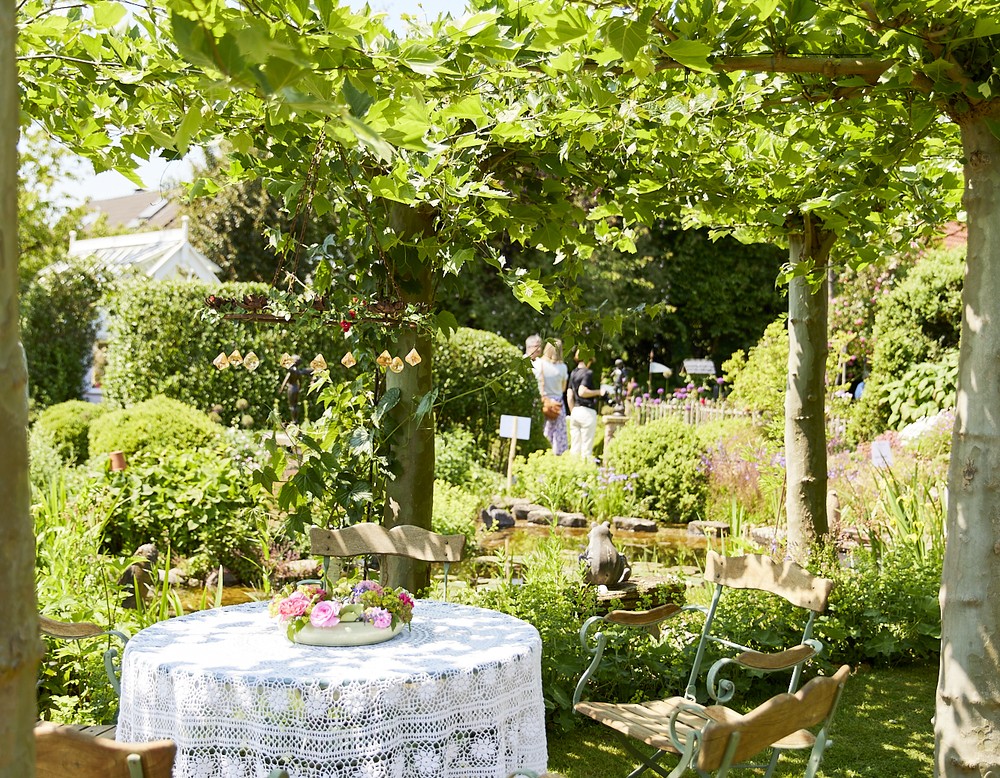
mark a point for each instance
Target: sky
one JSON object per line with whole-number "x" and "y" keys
{"x": 159, "y": 174}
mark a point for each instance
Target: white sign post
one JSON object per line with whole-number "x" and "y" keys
{"x": 516, "y": 428}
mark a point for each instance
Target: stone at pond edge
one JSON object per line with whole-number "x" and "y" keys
{"x": 576, "y": 520}
{"x": 522, "y": 510}
{"x": 715, "y": 529}
{"x": 539, "y": 515}
{"x": 494, "y": 518}
{"x": 298, "y": 569}
{"x": 633, "y": 524}
{"x": 228, "y": 579}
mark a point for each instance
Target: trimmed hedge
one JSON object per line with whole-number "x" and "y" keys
{"x": 66, "y": 427}
{"x": 152, "y": 427}
{"x": 58, "y": 330}
{"x": 665, "y": 457}
{"x": 479, "y": 377}
{"x": 161, "y": 343}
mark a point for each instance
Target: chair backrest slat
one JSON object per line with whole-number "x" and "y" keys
{"x": 371, "y": 538}
{"x": 63, "y": 752}
{"x": 775, "y": 719}
{"x": 785, "y": 579}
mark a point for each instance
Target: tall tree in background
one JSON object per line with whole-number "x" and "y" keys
{"x": 44, "y": 223}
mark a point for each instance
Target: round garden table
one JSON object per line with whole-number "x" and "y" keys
{"x": 458, "y": 694}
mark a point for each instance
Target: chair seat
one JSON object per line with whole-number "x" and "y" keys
{"x": 106, "y": 731}
{"x": 650, "y": 722}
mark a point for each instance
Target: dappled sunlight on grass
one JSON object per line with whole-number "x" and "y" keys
{"x": 883, "y": 728}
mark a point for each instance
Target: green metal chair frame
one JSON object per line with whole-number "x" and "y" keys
{"x": 655, "y": 723}
{"x": 371, "y": 539}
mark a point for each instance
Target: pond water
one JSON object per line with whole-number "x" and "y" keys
{"x": 669, "y": 546}
{"x": 653, "y": 551}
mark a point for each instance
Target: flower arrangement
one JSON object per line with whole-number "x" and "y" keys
{"x": 344, "y": 602}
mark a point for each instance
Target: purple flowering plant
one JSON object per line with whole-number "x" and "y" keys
{"x": 344, "y": 602}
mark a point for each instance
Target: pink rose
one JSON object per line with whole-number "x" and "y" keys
{"x": 325, "y": 614}
{"x": 293, "y": 605}
{"x": 406, "y": 598}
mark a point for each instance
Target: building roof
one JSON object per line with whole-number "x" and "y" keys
{"x": 143, "y": 209}
{"x": 954, "y": 234}
{"x": 160, "y": 255}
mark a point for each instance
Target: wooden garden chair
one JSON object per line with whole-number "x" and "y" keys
{"x": 675, "y": 725}
{"x": 63, "y": 752}
{"x": 370, "y": 539}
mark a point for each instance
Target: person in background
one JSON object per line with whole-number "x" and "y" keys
{"x": 551, "y": 374}
{"x": 583, "y": 397}
{"x": 533, "y": 348}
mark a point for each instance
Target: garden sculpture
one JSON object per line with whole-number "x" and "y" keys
{"x": 292, "y": 383}
{"x": 619, "y": 380}
{"x": 137, "y": 580}
{"x": 605, "y": 566}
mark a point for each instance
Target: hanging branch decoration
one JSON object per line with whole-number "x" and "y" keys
{"x": 348, "y": 360}
{"x": 283, "y": 308}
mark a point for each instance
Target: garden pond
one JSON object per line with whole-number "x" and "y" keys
{"x": 651, "y": 555}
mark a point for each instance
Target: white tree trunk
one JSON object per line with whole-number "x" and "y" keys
{"x": 967, "y": 720}
{"x": 805, "y": 395}
{"x": 20, "y": 647}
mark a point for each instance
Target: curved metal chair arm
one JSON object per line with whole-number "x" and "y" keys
{"x": 600, "y": 640}
{"x": 649, "y": 618}
{"x": 722, "y": 690}
{"x": 687, "y": 746}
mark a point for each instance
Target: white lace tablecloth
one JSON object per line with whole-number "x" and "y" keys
{"x": 457, "y": 695}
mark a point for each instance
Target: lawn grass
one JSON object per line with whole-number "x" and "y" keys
{"x": 883, "y": 729}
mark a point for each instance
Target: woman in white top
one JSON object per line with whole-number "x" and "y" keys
{"x": 551, "y": 374}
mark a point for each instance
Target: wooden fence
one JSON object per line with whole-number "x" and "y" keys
{"x": 688, "y": 411}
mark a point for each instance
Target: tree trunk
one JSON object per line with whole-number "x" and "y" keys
{"x": 20, "y": 646}
{"x": 409, "y": 497}
{"x": 967, "y": 717}
{"x": 805, "y": 396}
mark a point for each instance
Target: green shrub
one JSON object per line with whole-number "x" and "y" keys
{"x": 455, "y": 451}
{"x": 555, "y": 600}
{"x": 563, "y": 483}
{"x": 881, "y": 611}
{"x": 917, "y": 322}
{"x": 151, "y": 428}
{"x": 161, "y": 343}
{"x": 455, "y": 512}
{"x": 925, "y": 389}
{"x": 67, "y": 426}
{"x": 59, "y": 330}
{"x": 759, "y": 377}
{"x": 666, "y": 458}
{"x": 479, "y": 377}
{"x": 197, "y": 503}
